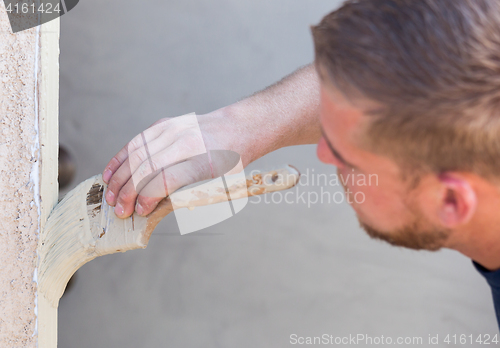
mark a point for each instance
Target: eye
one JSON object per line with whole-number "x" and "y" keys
{"x": 327, "y": 156}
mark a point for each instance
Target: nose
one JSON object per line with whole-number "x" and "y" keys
{"x": 325, "y": 155}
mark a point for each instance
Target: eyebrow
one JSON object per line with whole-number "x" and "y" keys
{"x": 335, "y": 152}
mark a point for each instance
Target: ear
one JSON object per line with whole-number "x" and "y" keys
{"x": 458, "y": 200}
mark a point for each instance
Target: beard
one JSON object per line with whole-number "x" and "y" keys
{"x": 417, "y": 235}
{"x": 412, "y": 236}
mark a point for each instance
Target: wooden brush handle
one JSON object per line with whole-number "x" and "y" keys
{"x": 213, "y": 192}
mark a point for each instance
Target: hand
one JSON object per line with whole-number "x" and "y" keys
{"x": 284, "y": 114}
{"x": 168, "y": 155}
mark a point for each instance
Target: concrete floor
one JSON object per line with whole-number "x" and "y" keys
{"x": 274, "y": 269}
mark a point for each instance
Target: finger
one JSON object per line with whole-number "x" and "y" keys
{"x": 137, "y": 157}
{"x": 136, "y": 168}
{"x": 146, "y": 154}
{"x": 152, "y": 194}
{"x": 153, "y": 188}
{"x": 114, "y": 164}
{"x": 149, "y": 143}
{"x": 149, "y": 135}
{"x": 127, "y": 193}
{"x": 149, "y": 159}
{"x": 116, "y": 182}
{"x": 170, "y": 180}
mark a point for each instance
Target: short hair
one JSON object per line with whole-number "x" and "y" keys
{"x": 433, "y": 66}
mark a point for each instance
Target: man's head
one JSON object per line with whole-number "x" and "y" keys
{"x": 410, "y": 91}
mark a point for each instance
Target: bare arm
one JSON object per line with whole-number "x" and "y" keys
{"x": 284, "y": 114}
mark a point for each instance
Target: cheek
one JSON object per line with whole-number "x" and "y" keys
{"x": 379, "y": 207}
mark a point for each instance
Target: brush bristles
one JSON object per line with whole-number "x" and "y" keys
{"x": 66, "y": 243}
{"x": 79, "y": 229}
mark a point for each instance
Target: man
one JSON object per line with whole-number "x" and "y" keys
{"x": 407, "y": 90}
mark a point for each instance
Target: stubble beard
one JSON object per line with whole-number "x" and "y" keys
{"x": 411, "y": 236}
{"x": 420, "y": 234}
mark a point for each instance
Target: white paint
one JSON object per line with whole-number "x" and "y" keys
{"x": 35, "y": 171}
{"x": 74, "y": 237}
{"x": 48, "y": 132}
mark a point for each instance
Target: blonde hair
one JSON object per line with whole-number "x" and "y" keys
{"x": 433, "y": 65}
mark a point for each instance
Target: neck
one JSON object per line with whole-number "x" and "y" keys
{"x": 480, "y": 239}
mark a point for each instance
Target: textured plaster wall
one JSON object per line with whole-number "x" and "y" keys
{"x": 18, "y": 211}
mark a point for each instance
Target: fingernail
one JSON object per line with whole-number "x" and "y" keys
{"x": 110, "y": 196}
{"x": 139, "y": 209}
{"x": 107, "y": 175}
{"x": 119, "y": 210}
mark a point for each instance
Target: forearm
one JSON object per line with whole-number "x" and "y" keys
{"x": 284, "y": 114}
{"x": 281, "y": 115}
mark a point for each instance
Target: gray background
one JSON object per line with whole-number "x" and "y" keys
{"x": 274, "y": 269}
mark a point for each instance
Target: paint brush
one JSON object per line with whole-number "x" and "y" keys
{"x": 83, "y": 226}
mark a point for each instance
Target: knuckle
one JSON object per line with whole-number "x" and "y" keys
{"x": 134, "y": 144}
{"x": 162, "y": 122}
{"x": 126, "y": 196}
{"x": 139, "y": 156}
{"x": 147, "y": 168}
{"x": 115, "y": 161}
{"x": 147, "y": 202}
{"x": 191, "y": 134}
{"x": 114, "y": 183}
{"x": 154, "y": 165}
{"x": 182, "y": 124}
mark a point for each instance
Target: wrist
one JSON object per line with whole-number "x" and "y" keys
{"x": 225, "y": 129}
{"x": 250, "y": 134}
